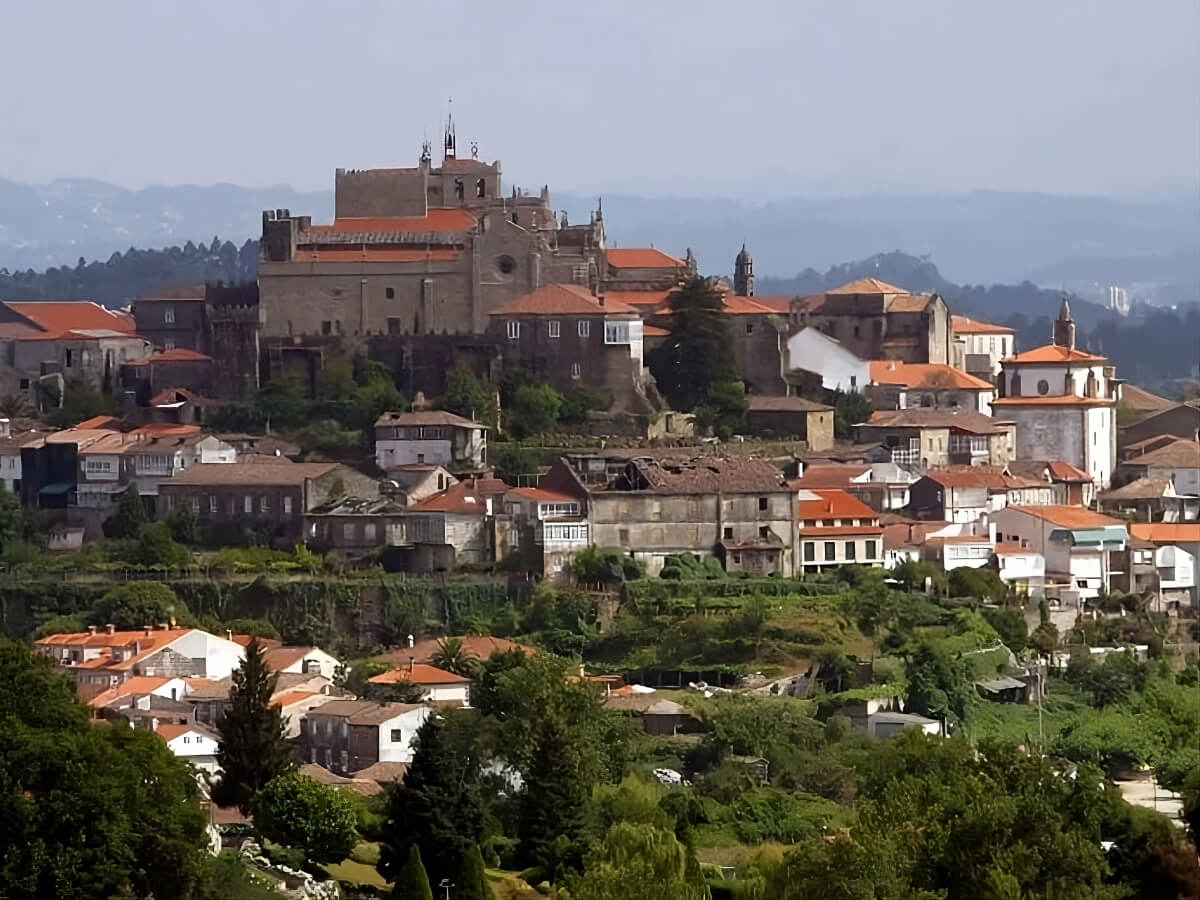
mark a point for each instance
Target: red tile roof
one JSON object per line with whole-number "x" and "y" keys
{"x": 927, "y": 375}
{"x": 1064, "y": 471}
{"x": 736, "y": 305}
{"x": 473, "y": 645}
{"x": 654, "y": 331}
{"x": 1009, "y": 548}
{"x": 920, "y": 417}
{"x": 642, "y": 258}
{"x": 965, "y": 325}
{"x": 58, "y": 316}
{"x": 867, "y": 286}
{"x": 780, "y": 304}
{"x": 562, "y": 300}
{"x": 468, "y": 496}
{"x": 542, "y": 495}
{"x": 639, "y": 298}
{"x": 388, "y": 254}
{"x": 279, "y": 658}
{"x": 452, "y": 219}
{"x": 1166, "y": 532}
{"x": 1069, "y": 516}
{"x": 180, "y": 354}
{"x": 834, "y": 504}
{"x": 419, "y": 673}
{"x": 1053, "y": 400}
{"x": 168, "y": 731}
{"x": 289, "y": 698}
{"x": 1054, "y": 353}
{"x": 138, "y": 684}
{"x": 990, "y": 477}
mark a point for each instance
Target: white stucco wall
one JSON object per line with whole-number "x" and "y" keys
{"x": 407, "y": 724}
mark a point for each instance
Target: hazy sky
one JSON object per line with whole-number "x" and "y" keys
{"x": 700, "y": 97}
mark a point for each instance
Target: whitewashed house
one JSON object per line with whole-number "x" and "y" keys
{"x": 195, "y": 743}
{"x": 811, "y": 350}
{"x": 430, "y": 437}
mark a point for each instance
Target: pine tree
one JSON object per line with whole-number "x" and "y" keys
{"x": 438, "y": 806}
{"x": 552, "y": 805}
{"x": 411, "y": 882}
{"x": 253, "y": 747}
{"x": 472, "y": 879}
{"x": 129, "y": 516}
{"x": 699, "y": 352}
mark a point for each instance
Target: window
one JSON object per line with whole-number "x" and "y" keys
{"x": 576, "y": 371}
{"x": 728, "y": 534}
{"x": 1043, "y": 387}
{"x": 287, "y": 506}
{"x": 394, "y": 326}
{"x": 168, "y": 315}
{"x": 623, "y": 536}
{"x": 248, "y": 504}
{"x": 764, "y": 531}
{"x": 326, "y": 327}
{"x": 212, "y": 503}
{"x": 762, "y": 504}
{"x": 264, "y": 504}
{"x": 869, "y": 550}
{"x": 853, "y": 382}
{"x": 810, "y": 551}
{"x": 514, "y": 329}
{"x": 345, "y": 760}
{"x": 186, "y": 739}
{"x": 390, "y": 293}
{"x": 68, "y": 354}
{"x": 168, "y": 346}
{"x": 622, "y": 332}
{"x": 507, "y": 265}
{"x": 827, "y": 523}
{"x": 196, "y": 505}
{"x": 749, "y": 328}
{"x": 348, "y": 531}
{"x": 480, "y": 188}
{"x": 991, "y": 345}
{"x": 397, "y": 736}
{"x": 24, "y": 384}
{"x": 554, "y": 328}
{"x": 369, "y": 532}
{"x": 850, "y": 549}
{"x": 830, "y": 551}
{"x": 585, "y": 328}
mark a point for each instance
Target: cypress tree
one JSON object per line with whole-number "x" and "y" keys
{"x": 412, "y": 883}
{"x": 472, "y": 879}
{"x": 253, "y": 747}
{"x": 552, "y": 805}
{"x": 438, "y": 806}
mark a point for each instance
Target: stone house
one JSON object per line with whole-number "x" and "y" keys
{"x": 1165, "y": 576}
{"x": 966, "y": 493}
{"x": 432, "y": 437}
{"x": 177, "y": 367}
{"x": 351, "y": 526}
{"x": 548, "y": 527}
{"x": 174, "y": 317}
{"x": 737, "y": 509}
{"x": 1181, "y": 420}
{"x": 416, "y": 481}
{"x": 1152, "y": 499}
{"x": 1173, "y": 457}
{"x": 569, "y": 336}
{"x": 345, "y": 736}
{"x": 900, "y": 385}
{"x": 833, "y": 529}
{"x": 275, "y": 494}
{"x": 876, "y": 320}
{"x": 979, "y": 346}
{"x": 464, "y": 524}
{"x": 923, "y": 439}
{"x": 791, "y": 417}
{"x": 1069, "y": 486}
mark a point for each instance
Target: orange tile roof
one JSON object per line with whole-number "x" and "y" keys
{"x": 867, "y": 286}
{"x": 965, "y": 325}
{"x": 477, "y": 646}
{"x": 638, "y": 298}
{"x": 388, "y": 254}
{"x": 1064, "y": 471}
{"x": 1009, "y": 548}
{"x": 419, "y": 673}
{"x": 166, "y": 429}
{"x": 654, "y": 331}
{"x": 1069, "y": 516}
{"x": 837, "y": 530}
{"x": 561, "y": 300}
{"x": 927, "y": 375}
{"x": 834, "y": 504}
{"x": 453, "y": 219}
{"x": 96, "y": 422}
{"x": 468, "y": 496}
{"x": 736, "y": 305}
{"x": 642, "y": 258}
{"x": 1053, "y": 400}
{"x": 542, "y": 495}
{"x": 288, "y": 698}
{"x": 1054, "y": 353}
{"x": 780, "y": 304}
{"x": 138, "y": 684}
{"x": 168, "y": 731}
{"x": 57, "y": 316}
{"x": 279, "y": 658}
{"x": 1167, "y": 532}
{"x": 180, "y": 354}
{"x": 993, "y": 479}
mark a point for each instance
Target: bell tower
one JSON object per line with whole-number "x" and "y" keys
{"x": 743, "y": 273}
{"x": 1064, "y": 326}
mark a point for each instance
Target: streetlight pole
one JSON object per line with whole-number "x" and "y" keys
{"x": 445, "y": 884}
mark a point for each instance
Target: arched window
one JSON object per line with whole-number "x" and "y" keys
{"x": 481, "y": 188}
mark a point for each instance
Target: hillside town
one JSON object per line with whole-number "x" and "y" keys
{"x": 459, "y": 492}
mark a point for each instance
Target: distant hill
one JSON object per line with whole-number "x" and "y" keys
{"x": 983, "y": 237}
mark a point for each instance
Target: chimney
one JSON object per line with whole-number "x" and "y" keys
{"x": 600, "y": 299}
{"x": 229, "y": 634}
{"x": 110, "y": 628}
{"x": 410, "y": 640}
{"x": 163, "y": 626}
{"x": 173, "y": 622}
{"x": 149, "y": 631}
{"x": 411, "y": 663}
{"x": 91, "y": 629}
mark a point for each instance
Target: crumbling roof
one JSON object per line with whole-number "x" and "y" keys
{"x": 698, "y": 475}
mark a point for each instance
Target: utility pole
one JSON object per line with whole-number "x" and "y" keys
{"x": 445, "y": 884}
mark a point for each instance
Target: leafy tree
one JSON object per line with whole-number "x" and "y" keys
{"x": 534, "y": 409}
{"x": 296, "y": 811}
{"x": 699, "y": 351}
{"x": 128, "y": 517}
{"x": 88, "y": 812}
{"x": 555, "y": 794}
{"x": 284, "y": 403}
{"x": 68, "y": 624}
{"x": 183, "y": 523}
{"x": 982, "y": 584}
{"x": 605, "y": 565}
{"x": 471, "y": 882}
{"x": 850, "y": 408}
{"x": 469, "y": 396}
{"x": 582, "y": 399}
{"x": 256, "y": 627}
{"x": 1191, "y": 804}
{"x": 79, "y": 403}
{"x": 452, "y": 656}
{"x": 724, "y": 408}
{"x": 12, "y": 519}
{"x": 438, "y": 806}
{"x": 411, "y": 881}
{"x": 139, "y": 603}
{"x": 638, "y": 862}
{"x": 938, "y": 686}
{"x": 155, "y": 547}
{"x": 1010, "y": 625}
{"x": 253, "y": 747}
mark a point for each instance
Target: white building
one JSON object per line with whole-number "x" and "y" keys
{"x": 302, "y": 661}
{"x": 981, "y": 346}
{"x": 1075, "y": 542}
{"x": 1021, "y": 569}
{"x": 10, "y": 455}
{"x": 971, "y": 551}
{"x": 1063, "y": 402}
{"x": 195, "y": 743}
{"x": 345, "y": 736}
{"x": 431, "y": 437}
{"x": 811, "y": 350}
{"x": 439, "y": 685}
{"x": 550, "y": 523}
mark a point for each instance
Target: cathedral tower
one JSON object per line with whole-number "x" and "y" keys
{"x": 743, "y": 274}
{"x": 1064, "y": 327}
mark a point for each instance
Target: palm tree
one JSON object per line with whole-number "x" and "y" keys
{"x": 452, "y": 656}
{"x": 14, "y": 406}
